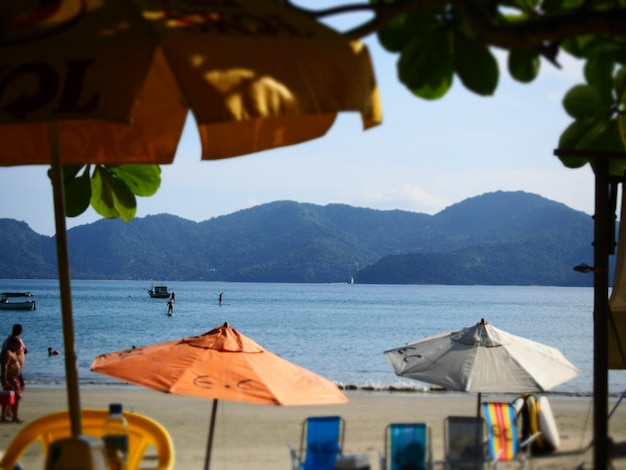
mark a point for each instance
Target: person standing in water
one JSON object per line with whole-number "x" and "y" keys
{"x": 220, "y": 297}
{"x": 170, "y": 306}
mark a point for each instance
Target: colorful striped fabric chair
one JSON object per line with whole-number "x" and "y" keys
{"x": 407, "y": 447}
{"x": 503, "y": 434}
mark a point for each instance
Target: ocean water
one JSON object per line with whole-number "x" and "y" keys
{"x": 339, "y": 331}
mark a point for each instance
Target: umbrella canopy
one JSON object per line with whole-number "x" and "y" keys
{"x": 112, "y": 82}
{"x": 221, "y": 364}
{"x": 482, "y": 358}
{"x": 256, "y": 74}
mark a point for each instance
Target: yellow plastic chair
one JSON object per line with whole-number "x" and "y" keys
{"x": 143, "y": 433}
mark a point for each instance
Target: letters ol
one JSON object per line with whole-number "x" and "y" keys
{"x": 45, "y": 88}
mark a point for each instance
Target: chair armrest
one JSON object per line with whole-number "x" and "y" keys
{"x": 530, "y": 440}
{"x": 295, "y": 458}
{"x": 493, "y": 463}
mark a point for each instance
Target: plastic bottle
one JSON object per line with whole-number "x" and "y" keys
{"x": 115, "y": 437}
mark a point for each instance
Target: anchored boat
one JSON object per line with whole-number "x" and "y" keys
{"x": 158, "y": 292}
{"x": 17, "y": 301}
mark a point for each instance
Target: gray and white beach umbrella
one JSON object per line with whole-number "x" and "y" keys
{"x": 482, "y": 358}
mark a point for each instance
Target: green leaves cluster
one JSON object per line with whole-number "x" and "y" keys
{"x": 436, "y": 44}
{"x": 433, "y": 47}
{"x": 437, "y": 40}
{"x": 109, "y": 189}
{"x": 597, "y": 106}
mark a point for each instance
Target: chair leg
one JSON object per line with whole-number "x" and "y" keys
{"x": 295, "y": 459}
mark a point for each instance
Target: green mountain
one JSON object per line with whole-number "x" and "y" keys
{"x": 507, "y": 239}
{"x": 512, "y": 238}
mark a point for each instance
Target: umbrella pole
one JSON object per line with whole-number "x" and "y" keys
{"x": 478, "y": 404}
{"x": 209, "y": 445}
{"x": 71, "y": 370}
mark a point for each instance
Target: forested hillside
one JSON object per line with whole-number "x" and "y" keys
{"x": 513, "y": 238}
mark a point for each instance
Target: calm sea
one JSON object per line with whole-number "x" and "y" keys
{"x": 337, "y": 330}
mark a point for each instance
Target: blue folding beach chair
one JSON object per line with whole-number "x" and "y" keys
{"x": 320, "y": 445}
{"x": 407, "y": 447}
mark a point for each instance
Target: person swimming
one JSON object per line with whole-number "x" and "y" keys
{"x": 53, "y": 352}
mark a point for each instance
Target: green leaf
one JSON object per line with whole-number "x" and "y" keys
{"x": 586, "y": 46}
{"x": 143, "y": 180}
{"x": 619, "y": 85}
{"x": 583, "y": 134}
{"x": 584, "y": 102}
{"x": 524, "y": 5}
{"x": 400, "y": 31}
{"x": 599, "y": 74}
{"x": 600, "y": 134}
{"x": 111, "y": 197}
{"x": 426, "y": 65}
{"x": 523, "y": 64}
{"x": 475, "y": 65}
{"x": 559, "y": 6}
{"x": 569, "y": 139}
{"x": 77, "y": 190}
{"x": 77, "y": 194}
{"x": 609, "y": 140}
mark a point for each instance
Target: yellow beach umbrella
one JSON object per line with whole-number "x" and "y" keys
{"x": 112, "y": 82}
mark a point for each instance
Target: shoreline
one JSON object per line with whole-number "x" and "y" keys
{"x": 346, "y": 388}
{"x": 255, "y": 436}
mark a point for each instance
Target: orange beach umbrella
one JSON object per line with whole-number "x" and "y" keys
{"x": 221, "y": 364}
{"x": 112, "y": 82}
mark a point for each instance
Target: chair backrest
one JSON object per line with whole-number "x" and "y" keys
{"x": 503, "y": 433}
{"x": 143, "y": 433}
{"x": 407, "y": 446}
{"x": 465, "y": 439}
{"x": 322, "y": 442}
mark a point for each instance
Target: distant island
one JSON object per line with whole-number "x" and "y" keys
{"x": 498, "y": 238}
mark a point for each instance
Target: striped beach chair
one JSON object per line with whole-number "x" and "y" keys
{"x": 503, "y": 434}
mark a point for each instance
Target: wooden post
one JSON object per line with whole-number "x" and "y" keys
{"x": 601, "y": 250}
{"x": 600, "y": 315}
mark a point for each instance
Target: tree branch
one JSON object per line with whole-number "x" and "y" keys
{"x": 538, "y": 31}
{"x": 526, "y": 34}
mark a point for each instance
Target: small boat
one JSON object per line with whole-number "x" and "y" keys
{"x": 17, "y": 301}
{"x": 158, "y": 292}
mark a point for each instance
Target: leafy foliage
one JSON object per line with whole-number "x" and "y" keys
{"x": 110, "y": 190}
{"x": 597, "y": 109}
{"x": 439, "y": 39}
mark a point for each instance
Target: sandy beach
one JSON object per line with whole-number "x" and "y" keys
{"x": 255, "y": 436}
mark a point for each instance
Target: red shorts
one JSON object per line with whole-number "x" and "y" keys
{"x": 14, "y": 384}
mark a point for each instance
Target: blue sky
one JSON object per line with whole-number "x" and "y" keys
{"x": 425, "y": 156}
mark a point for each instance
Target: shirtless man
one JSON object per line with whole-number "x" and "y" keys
{"x": 13, "y": 361}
